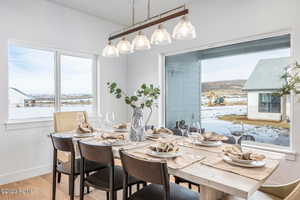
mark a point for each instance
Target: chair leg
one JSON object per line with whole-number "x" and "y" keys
{"x": 54, "y": 184}
{"x": 81, "y": 189}
{"x": 71, "y": 186}
{"x": 199, "y": 188}
{"x": 58, "y": 177}
{"x": 107, "y": 195}
{"x": 115, "y": 195}
{"x": 138, "y": 187}
{"x": 87, "y": 187}
{"x": 130, "y": 190}
{"x": 190, "y": 186}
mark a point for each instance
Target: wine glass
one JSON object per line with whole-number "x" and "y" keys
{"x": 109, "y": 118}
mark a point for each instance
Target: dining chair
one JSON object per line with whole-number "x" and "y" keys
{"x": 290, "y": 191}
{"x": 109, "y": 179}
{"x": 66, "y": 122}
{"x": 71, "y": 167}
{"x": 179, "y": 180}
{"x": 155, "y": 173}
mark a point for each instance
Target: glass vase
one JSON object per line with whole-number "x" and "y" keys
{"x": 137, "y": 131}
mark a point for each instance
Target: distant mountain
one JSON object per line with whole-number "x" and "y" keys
{"x": 231, "y": 85}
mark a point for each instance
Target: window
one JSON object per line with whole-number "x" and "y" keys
{"x": 230, "y": 88}
{"x": 269, "y": 103}
{"x": 76, "y": 83}
{"x": 31, "y": 83}
{"x": 33, "y": 91}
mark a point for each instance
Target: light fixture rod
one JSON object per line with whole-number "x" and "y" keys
{"x": 133, "y": 12}
{"x": 133, "y": 29}
{"x": 148, "y": 8}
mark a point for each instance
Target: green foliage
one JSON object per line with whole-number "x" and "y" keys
{"x": 145, "y": 95}
{"x": 291, "y": 82}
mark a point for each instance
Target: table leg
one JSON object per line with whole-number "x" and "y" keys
{"x": 207, "y": 193}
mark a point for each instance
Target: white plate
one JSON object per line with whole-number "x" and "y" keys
{"x": 163, "y": 154}
{"x": 240, "y": 161}
{"x": 84, "y": 135}
{"x": 109, "y": 143}
{"x": 118, "y": 130}
{"x": 208, "y": 144}
{"x": 253, "y": 164}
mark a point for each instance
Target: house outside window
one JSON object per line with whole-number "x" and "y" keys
{"x": 229, "y": 89}
{"x": 269, "y": 103}
{"x": 43, "y": 81}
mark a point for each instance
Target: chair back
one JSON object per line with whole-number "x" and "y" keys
{"x": 62, "y": 143}
{"x": 149, "y": 171}
{"x": 99, "y": 154}
{"x": 295, "y": 194}
{"x": 68, "y": 121}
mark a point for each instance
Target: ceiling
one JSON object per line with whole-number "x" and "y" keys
{"x": 118, "y": 11}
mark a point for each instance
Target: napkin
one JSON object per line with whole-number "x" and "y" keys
{"x": 84, "y": 127}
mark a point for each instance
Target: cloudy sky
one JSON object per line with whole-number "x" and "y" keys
{"x": 32, "y": 71}
{"x": 236, "y": 67}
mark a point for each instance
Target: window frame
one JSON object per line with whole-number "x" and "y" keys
{"x": 57, "y": 79}
{"x": 290, "y": 151}
{"x": 269, "y": 104}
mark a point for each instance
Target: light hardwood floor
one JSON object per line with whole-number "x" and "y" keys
{"x": 40, "y": 189}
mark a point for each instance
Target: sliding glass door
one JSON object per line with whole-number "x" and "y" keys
{"x": 183, "y": 88}
{"x": 223, "y": 87}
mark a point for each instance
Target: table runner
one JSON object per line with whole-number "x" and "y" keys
{"x": 187, "y": 158}
{"x": 255, "y": 173}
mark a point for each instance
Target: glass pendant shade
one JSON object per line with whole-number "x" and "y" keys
{"x": 160, "y": 36}
{"x": 141, "y": 42}
{"x": 110, "y": 50}
{"x": 184, "y": 30}
{"x": 124, "y": 46}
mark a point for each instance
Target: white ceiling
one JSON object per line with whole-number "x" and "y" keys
{"x": 118, "y": 11}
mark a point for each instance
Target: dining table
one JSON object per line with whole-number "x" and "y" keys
{"x": 217, "y": 179}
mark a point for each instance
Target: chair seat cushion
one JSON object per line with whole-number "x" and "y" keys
{"x": 156, "y": 192}
{"x": 100, "y": 179}
{"x": 65, "y": 167}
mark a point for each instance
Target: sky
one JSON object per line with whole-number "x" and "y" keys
{"x": 236, "y": 67}
{"x": 32, "y": 71}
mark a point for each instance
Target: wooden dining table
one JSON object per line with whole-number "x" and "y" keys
{"x": 215, "y": 183}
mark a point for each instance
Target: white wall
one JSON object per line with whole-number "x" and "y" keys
{"x": 26, "y": 151}
{"x": 222, "y": 22}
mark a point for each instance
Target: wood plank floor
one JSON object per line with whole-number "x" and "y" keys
{"x": 39, "y": 188}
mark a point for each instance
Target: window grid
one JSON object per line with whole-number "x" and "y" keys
{"x": 57, "y": 77}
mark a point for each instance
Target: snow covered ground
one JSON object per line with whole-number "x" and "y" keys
{"x": 263, "y": 134}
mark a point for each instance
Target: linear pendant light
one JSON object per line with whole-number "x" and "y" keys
{"x": 184, "y": 30}
{"x": 161, "y": 36}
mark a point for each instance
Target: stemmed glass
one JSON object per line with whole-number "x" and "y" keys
{"x": 109, "y": 119}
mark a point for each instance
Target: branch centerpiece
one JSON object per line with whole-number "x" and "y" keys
{"x": 145, "y": 97}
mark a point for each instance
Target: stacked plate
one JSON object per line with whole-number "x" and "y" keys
{"x": 208, "y": 143}
{"x": 244, "y": 163}
{"x": 164, "y": 154}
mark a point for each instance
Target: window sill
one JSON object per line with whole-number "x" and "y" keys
{"x": 286, "y": 152}
{"x": 28, "y": 123}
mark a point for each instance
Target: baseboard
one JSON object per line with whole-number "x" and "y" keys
{"x": 24, "y": 174}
